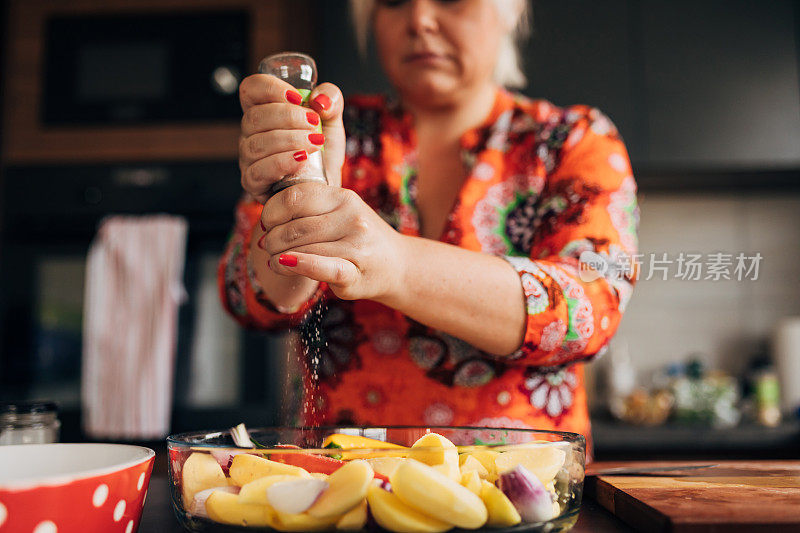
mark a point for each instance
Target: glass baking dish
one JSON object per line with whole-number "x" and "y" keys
{"x": 398, "y": 478}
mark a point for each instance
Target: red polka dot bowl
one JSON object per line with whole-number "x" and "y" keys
{"x": 73, "y": 488}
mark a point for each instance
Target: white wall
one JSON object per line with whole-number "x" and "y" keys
{"x": 666, "y": 320}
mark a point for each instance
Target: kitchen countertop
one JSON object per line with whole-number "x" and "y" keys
{"x": 158, "y": 516}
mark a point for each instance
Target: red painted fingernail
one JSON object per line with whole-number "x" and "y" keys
{"x": 293, "y": 97}
{"x": 312, "y": 118}
{"x": 300, "y": 155}
{"x": 261, "y": 223}
{"x": 316, "y": 138}
{"x": 287, "y": 260}
{"x": 322, "y": 101}
{"x": 261, "y": 242}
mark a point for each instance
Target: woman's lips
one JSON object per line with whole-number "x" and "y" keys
{"x": 426, "y": 58}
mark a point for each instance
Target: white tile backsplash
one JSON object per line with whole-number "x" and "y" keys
{"x": 725, "y": 320}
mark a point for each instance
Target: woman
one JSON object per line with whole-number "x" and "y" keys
{"x": 443, "y": 273}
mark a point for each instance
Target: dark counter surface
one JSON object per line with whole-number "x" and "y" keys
{"x": 158, "y": 516}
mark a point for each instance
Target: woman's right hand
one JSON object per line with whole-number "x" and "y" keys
{"x": 278, "y": 134}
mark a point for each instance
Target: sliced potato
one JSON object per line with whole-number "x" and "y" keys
{"x": 246, "y": 468}
{"x": 471, "y": 464}
{"x": 303, "y": 522}
{"x": 438, "y": 448}
{"x": 485, "y": 458}
{"x": 502, "y": 512}
{"x": 384, "y": 465}
{"x": 394, "y": 515}
{"x": 437, "y": 451}
{"x": 543, "y": 461}
{"x": 472, "y": 481}
{"x": 347, "y": 487}
{"x": 200, "y": 472}
{"x": 355, "y": 519}
{"x": 255, "y": 492}
{"x": 224, "y": 507}
{"x": 425, "y": 489}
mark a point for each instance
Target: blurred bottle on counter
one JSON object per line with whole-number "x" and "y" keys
{"x": 704, "y": 397}
{"x": 762, "y": 396}
{"x": 786, "y": 354}
{"x": 620, "y": 376}
{"x": 29, "y": 423}
{"x": 768, "y": 398}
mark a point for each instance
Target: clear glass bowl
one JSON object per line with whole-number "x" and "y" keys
{"x": 566, "y": 487}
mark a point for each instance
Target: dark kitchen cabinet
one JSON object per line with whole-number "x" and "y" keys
{"x": 721, "y": 83}
{"x": 705, "y": 92}
{"x": 580, "y": 53}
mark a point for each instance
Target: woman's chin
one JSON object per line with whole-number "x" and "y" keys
{"x": 429, "y": 89}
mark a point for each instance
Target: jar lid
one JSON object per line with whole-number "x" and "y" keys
{"x": 27, "y": 407}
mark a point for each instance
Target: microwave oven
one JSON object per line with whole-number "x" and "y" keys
{"x": 98, "y": 81}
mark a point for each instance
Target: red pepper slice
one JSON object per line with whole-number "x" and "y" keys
{"x": 312, "y": 462}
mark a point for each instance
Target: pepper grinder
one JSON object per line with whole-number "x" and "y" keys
{"x": 300, "y": 71}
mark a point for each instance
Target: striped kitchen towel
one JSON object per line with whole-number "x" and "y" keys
{"x": 134, "y": 285}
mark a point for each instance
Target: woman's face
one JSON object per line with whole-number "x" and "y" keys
{"x": 435, "y": 50}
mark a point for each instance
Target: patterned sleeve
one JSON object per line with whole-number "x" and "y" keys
{"x": 240, "y": 294}
{"x": 586, "y": 214}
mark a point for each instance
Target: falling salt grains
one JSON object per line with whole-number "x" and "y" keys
{"x": 312, "y": 341}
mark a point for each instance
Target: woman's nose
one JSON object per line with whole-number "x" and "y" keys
{"x": 422, "y": 16}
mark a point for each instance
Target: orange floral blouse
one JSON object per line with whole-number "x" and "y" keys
{"x": 545, "y": 184}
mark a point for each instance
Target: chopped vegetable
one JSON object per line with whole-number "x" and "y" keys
{"x": 350, "y": 442}
{"x": 241, "y": 437}
{"x": 309, "y": 462}
{"x": 295, "y": 495}
{"x": 200, "y": 471}
{"x": 347, "y": 488}
{"x": 198, "y": 506}
{"x": 225, "y": 508}
{"x": 428, "y": 491}
{"x": 528, "y": 494}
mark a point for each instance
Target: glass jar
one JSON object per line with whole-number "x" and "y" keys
{"x": 29, "y": 423}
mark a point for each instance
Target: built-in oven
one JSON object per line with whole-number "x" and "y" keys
{"x": 122, "y": 80}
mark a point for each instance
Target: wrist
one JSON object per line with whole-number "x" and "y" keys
{"x": 398, "y": 272}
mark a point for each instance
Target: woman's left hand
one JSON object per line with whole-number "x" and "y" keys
{"x": 329, "y": 234}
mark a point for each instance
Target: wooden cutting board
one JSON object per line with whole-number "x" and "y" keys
{"x": 734, "y": 496}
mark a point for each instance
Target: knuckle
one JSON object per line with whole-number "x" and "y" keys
{"x": 347, "y": 196}
{"x": 293, "y": 197}
{"x": 254, "y": 145}
{"x": 361, "y": 223}
{"x": 294, "y": 231}
{"x": 247, "y": 88}
{"x": 269, "y": 244}
{"x": 249, "y": 178}
{"x": 250, "y": 120}
{"x": 283, "y": 165}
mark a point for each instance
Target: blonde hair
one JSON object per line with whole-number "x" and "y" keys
{"x": 513, "y": 13}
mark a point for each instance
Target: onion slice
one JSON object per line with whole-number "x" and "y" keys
{"x": 198, "y": 506}
{"x": 224, "y": 457}
{"x": 531, "y": 499}
{"x": 241, "y": 437}
{"x": 296, "y": 495}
